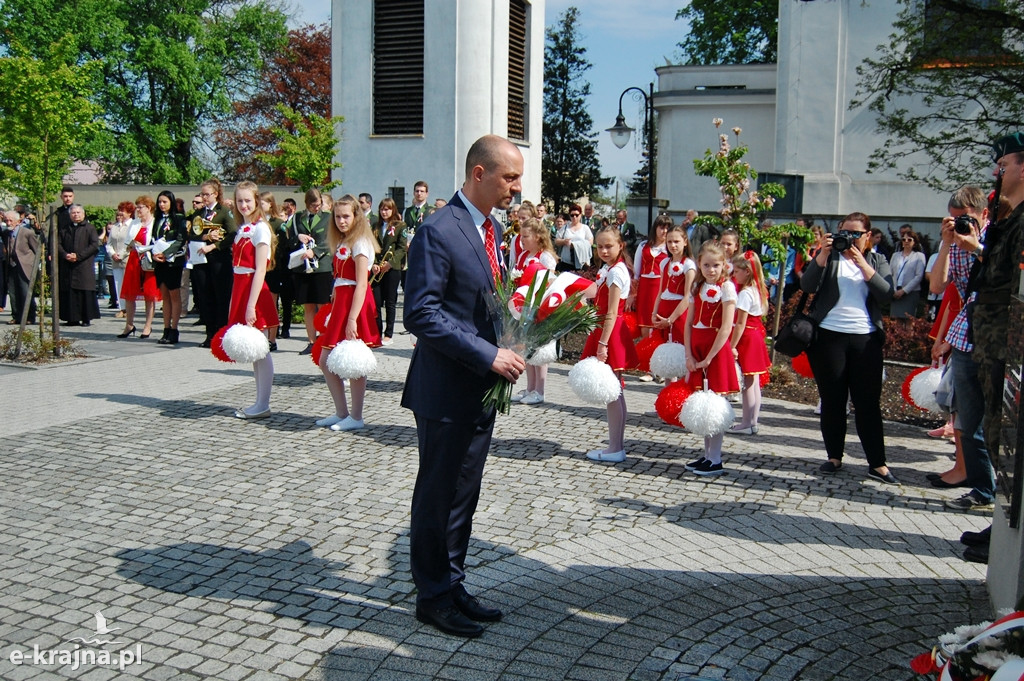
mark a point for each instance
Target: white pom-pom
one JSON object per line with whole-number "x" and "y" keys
{"x": 923, "y": 387}
{"x": 245, "y": 344}
{"x": 351, "y": 359}
{"x": 706, "y": 413}
{"x": 669, "y": 361}
{"x": 545, "y": 354}
{"x": 594, "y": 382}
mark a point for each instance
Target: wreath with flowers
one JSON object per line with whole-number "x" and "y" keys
{"x": 711, "y": 293}
{"x": 675, "y": 269}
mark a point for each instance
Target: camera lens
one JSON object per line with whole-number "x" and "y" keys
{"x": 841, "y": 241}
{"x": 963, "y": 224}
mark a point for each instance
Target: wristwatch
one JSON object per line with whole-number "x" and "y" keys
{"x": 979, "y": 251}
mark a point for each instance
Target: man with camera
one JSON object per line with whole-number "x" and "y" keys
{"x": 968, "y": 216}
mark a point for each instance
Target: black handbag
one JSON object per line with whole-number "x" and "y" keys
{"x": 798, "y": 333}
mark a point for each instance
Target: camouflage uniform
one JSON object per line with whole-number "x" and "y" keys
{"x": 995, "y": 280}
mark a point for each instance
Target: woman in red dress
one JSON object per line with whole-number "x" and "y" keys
{"x": 139, "y": 280}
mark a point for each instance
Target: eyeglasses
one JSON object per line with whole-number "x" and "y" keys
{"x": 207, "y": 194}
{"x": 574, "y": 215}
{"x": 196, "y": 202}
{"x": 908, "y": 238}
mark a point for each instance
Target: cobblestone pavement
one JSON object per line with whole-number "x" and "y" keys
{"x": 266, "y": 550}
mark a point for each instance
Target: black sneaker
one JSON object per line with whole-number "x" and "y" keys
{"x": 969, "y": 502}
{"x": 707, "y": 468}
{"x": 977, "y": 538}
{"x": 696, "y": 462}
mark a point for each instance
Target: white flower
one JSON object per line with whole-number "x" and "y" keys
{"x": 675, "y": 269}
{"x": 516, "y": 274}
{"x": 711, "y": 293}
{"x": 717, "y": 121}
{"x": 737, "y": 131}
{"x": 992, "y": 659}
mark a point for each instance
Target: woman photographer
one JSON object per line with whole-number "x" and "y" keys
{"x": 846, "y": 354}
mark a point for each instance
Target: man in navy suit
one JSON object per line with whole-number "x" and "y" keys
{"x": 450, "y": 308}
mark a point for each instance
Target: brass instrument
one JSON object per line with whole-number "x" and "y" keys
{"x": 510, "y": 233}
{"x": 375, "y": 279}
{"x": 200, "y": 226}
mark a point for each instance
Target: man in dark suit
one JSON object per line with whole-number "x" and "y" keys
{"x": 22, "y": 245}
{"x": 449, "y": 307}
{"x": 419, "y": 210}
{"x": 366, "y": 203}
{"x": 63, "y": 212}
{"x": 211, "y": 269}
{"x": 627, "y": 230}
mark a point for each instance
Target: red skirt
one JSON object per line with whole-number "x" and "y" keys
{"x": 721, "y": 372}
{"x": 366, "y": 322}
{"x": 950, "y": 301}
{"x": 678, "y": 328}
{"x": 647, "y": 299}
{"x": 138, "y": 283}
{"x": 752, "y": 349}
{"x": 621, "y": 351}
{"x": 266, "y": 310}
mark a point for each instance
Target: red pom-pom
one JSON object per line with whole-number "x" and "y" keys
{"x": 905, "y": 389}
{"x": 217, "y": 346}
{"x": 632, "y": 323}
{"x": 321, "y": 318}
{"x": 764, "y": 378}
{"x": 925, "y": 663}
{"x": 316, "y": 350}
{"x": 802, "y": 365}
{"x": 645, "y": 348}
{"x": 670, "y": 402}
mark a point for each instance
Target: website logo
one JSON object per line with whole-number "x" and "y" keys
{"x": 79, "y": 656}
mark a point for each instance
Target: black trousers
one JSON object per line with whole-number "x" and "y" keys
{"x": 452, "y": 457}
{"x": 216, "y": 297}
{"x": 385, "y": 295}
{"x": 850, "y": 364}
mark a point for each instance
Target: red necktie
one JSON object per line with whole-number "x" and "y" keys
{"x": 492, "y": 255}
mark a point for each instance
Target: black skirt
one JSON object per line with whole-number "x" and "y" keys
{"x": 313, "y": 288}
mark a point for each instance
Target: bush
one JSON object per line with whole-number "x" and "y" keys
{"x": 37, "y": 347}
{"x": 100, "y": 216}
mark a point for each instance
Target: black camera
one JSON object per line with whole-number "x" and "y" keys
{"x": 842, "y": 240}
{"x": 963, "y": 224}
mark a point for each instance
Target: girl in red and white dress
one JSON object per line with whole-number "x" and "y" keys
{"x": 748, "y": 336}
{"x": 708, "y": 328}
{"x": 611, "y": 342}
{"x": 251, "y": 302}
{"x": 677, "y": 274}
{"x": 647, "y": 274}
{"x": 535, "y": 247}
{"x": 140, "y": 283}
{"x": 526, "y": 212}
{"x": 353, "y": 312}
{"x": 729, "y": 240}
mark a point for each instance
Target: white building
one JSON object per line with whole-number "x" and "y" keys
{"x": 418, "y": 81}
{"x": 795, "y": 118}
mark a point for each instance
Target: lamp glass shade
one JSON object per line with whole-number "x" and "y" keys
{"x": 620, "y": 132}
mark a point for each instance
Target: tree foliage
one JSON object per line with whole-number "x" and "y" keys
{"x": 947, "y": 83}
{"x": 166, "y": 70}
{"x": 571, "y": 167}
{"x": 298, "y": 76}
{"x": 731, "y": 31}
{"x": 306, "y": 148}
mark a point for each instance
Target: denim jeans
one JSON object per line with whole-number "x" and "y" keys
{"x": 969, "y": 406}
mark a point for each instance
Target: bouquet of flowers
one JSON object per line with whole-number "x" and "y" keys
{"x": 990, "y": 651}
{"x": 536, "y": 309}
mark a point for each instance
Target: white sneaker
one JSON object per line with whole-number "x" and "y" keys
{"x": 386, "y": 341}
{"x": 518, "y": 397}
{"x": 328, "y": 421}
{"x": 735, "y": 398}
{"x": 646, "y": 378}
{"x": 611, "y": 457}
{"x": 533, "y": 398}
{"x": 347, "y": 423}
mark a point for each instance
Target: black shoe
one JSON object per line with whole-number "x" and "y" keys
{"x": 273, "y": 346}
{"x": 829, "y": 467}
{"x": 449, "y": 620}
{"x": 198, "y": 322}
{"x": 205, "y": 344}
{"x": 172, "y": 337}
{"x": 693, "y": 464}
{"x": 163, "y": 339}
{"x": 129, "y": 332}
{"x": 86, "y": 323}
{"x": 308, "y": 350}
{"x": 977, "y": 554}
{"x": 284, "y": 333}
{"x": 977, "y": 538}
{"x": 888, "y": 477}
{"x": 472, "y": 608}
{"x": 939, "y": 483}
{"x": 933, "y": 476}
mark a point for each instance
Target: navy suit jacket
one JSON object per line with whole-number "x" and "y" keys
{"x": 450, "y": 308}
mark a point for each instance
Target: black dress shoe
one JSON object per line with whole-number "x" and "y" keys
{"x": 888, "y": 477}
{"x": 449, "y": 620}
{"x": 942, "y": 484}
{"x": 198, "y": 322}
{"x": 205, "y": 344}
{"x": 472, "y": 608}
{"x": 977, "y": 538}
{"x": 933, "y": 476}
{"x": 977, "y": 554}
{"x": 284, "y": 333}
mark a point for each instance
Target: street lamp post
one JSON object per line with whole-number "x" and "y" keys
{"x": 620, "y": 133}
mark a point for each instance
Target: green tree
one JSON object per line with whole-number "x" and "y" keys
{"x": 306, "y": 148}
{"x": 166, "y": 71}
{"x": 571, "y": 167}
{"x": 947, "y": 83}
{"x": 47, "y": 118}
{"x": 731, "y": 31}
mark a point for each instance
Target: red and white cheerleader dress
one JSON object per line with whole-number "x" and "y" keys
{"x": 243, "y": 264}
{"x": 139, "y": 284}
{"x": 621, "y": 351}
{"x": 344, "y": 290}
{"x": 673, "y": 290}
{"x": 647, "y": 265}
{"x": 707, "y": 305}
{"x": 525, "y": 259}
{"x": 752, "y": 351}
